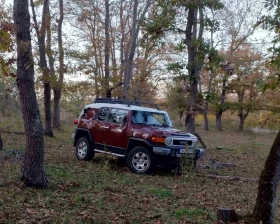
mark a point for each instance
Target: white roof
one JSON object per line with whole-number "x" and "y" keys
{"x": 123, "y": 106}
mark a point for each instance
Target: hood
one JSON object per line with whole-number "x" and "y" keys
{"x": 150, "y": 131}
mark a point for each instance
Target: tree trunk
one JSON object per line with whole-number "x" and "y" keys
{"x": 132, "y": 47}
{"x": 56, "y": 107}
{"x": 219, "y": 115}
{"x": 221, "y": 108}
{"x": 242, "y": 118}
{"x": 241, "y": 124}
{"x": 194, "y": 63}
{"x": 134, "y": 32}
{"x": 48, "y": 112}
{"x": 205, "y": 117}
{"x": 59, "y": 84}
{"x": 107, "y": 50}
{"x": 190, "y": 120}
{"x": 211, "y": 74}
{"x": 33, "y": 172}
{"x": 41, "y": 34}
{"x": 264, "y": 209}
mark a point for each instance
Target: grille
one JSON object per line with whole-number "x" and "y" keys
{"x": 182, "y": 142}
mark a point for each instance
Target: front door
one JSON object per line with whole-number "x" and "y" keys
{"x": 116, "y": 137}
{"x": 101, "y": 128}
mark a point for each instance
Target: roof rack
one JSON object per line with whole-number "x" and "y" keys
{"x": 127, "y": 102}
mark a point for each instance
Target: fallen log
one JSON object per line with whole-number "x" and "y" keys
{"x": 1, "y": 143}
{"x": 232, "y": 178}
{"x": 201, "y": 140}
{"x": 13, "y": 132}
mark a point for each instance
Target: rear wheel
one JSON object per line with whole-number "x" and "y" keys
{"x": 140, "y": 160}
{"x": 84, "y": 149}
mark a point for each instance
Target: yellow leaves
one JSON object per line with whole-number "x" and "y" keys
{"x": 4, "y": 41}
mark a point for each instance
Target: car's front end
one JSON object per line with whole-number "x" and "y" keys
{"x": 179, "y": 145}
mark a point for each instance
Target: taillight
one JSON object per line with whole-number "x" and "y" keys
{"x": 76, "y": 121}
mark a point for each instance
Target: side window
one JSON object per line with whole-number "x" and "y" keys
{"x": 138, "y": 117}
{"x": 117, "y": 116}
{"x": 102, "y": 113}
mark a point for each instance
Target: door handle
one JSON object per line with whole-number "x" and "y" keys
{"x": 105, "y": 127}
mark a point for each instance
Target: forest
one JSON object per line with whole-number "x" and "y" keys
{"x": 213, "y": 65}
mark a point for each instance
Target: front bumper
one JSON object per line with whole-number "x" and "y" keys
{"x": 192, "y": 152}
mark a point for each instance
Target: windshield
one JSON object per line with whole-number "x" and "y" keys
{"x": 151, "y": 118}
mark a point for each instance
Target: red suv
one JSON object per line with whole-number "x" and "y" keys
{"x": 142, "y": 135}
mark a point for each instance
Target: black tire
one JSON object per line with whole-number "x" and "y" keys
{"x": 84, "y": 149}
{"x": 141, "y": 161}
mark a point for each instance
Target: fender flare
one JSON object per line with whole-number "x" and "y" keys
{"x": 79, "y": 132}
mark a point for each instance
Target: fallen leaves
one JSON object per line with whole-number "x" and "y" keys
{"x": 85, "y": 192}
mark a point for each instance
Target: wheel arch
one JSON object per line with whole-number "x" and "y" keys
{"x": 82, "y": 133}
{"x": 133, "y": 142}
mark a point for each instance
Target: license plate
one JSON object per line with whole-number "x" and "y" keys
{"x": 182, "y": 151}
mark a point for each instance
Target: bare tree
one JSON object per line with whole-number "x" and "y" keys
{"x": 41, "y": 36}
{"x": 107, "y": 49}
{"x": 58, "y": 84}
{"x": 195, "y": 14}
{"x": 33, "y": 172}
{"x": 134, "y": 33}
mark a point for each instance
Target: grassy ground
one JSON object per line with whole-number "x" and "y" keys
{"x": 104, "y": 191}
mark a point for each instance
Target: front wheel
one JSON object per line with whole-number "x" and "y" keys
{"x": 140, "y": 160}
{"x": 84, "y": 151}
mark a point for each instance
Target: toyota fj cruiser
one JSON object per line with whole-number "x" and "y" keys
{"x": 143, "y": 136}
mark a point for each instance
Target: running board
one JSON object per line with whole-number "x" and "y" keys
{"x": 110, "y": 153}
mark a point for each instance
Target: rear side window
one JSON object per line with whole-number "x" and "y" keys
{"x": 117, "y": 116}
{"x": 102, "y": 113}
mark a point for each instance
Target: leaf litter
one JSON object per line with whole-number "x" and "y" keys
{"x": 102, "y": 191}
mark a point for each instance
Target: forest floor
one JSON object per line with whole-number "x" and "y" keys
{"x": 104, "y": 191}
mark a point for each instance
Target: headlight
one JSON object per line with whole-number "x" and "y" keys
{"x": 195, "y": 144}
{"x": 168, "y": 141}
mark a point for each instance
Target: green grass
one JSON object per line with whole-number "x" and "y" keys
{"x": 179, "y": 213}
{"x": 162, "y": 193}
{"x": 104, "y": 191}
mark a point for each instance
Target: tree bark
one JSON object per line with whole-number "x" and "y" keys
{"x": 136, "y": 23}
{"x": 57, "y": 90}
{"x": 205, "y": 117}
{"x": 194, "y": 63}
{"x": 190, "y": 121}
{"x": 41, "y": 36}
{"x": 242, "y": 118}
{"x": 219, "y": 115}
{"x": 264, "y": 209}
{"x": 132, "y": 47}
{"x": 211, "y": 74}
{"x": 33, "y": 171}
{"x": 107, "y": 49}
{"x": 221, "y": 108}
